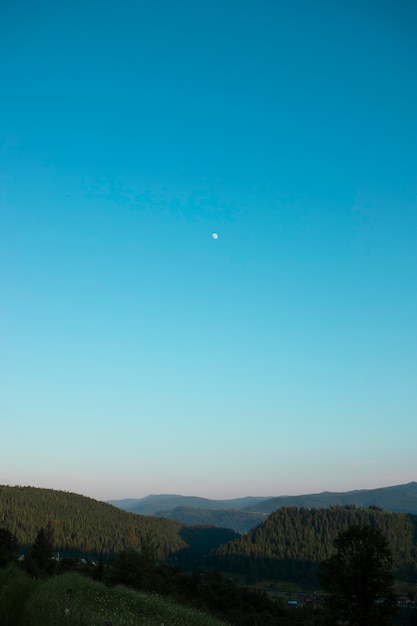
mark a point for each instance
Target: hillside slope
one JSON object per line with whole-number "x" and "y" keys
{"x": 156, "y": 503}
{"x": 81, "y": 524}
{"x": 236, "y": 519}
{"x": 242, "y": 514}
{"x": 397, "y": 498}
{"x": 293, "y": 538}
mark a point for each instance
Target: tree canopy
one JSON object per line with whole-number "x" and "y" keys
{"x": 358, "y": 579}
{"x": 42, "y": 551}
{"x": 8, "y": 547}
{"x": 291, "y": 542}
{"x": 82, "y": 525}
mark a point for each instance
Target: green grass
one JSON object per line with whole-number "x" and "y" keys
{"x": 47, "y": 603}
{"x": 15, "y": 589}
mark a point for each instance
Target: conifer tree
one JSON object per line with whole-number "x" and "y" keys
{"x": 8, "y": 547}
{"x": 39, "y": 561}
{"x": 358, "y": 579}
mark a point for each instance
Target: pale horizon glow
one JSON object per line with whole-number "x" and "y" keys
{"x": 100, "y": 493}
{"x": 208, "y": 243}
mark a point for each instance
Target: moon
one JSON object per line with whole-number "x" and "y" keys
{"x": 215, "y": 235}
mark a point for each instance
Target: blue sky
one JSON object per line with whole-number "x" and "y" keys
{"x": 140, "y": 355}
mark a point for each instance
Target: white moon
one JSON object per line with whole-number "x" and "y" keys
{"x": 215, "y": 235}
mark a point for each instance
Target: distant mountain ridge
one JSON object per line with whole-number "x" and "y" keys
{"x": 246, "y": 513}
{"x": 153, "y": 504}
{"x": 396, "y": 499}
{"x": 239, "y": 520}
{"x": 288, "y": 543}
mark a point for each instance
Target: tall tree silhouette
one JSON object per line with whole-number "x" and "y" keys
{"x": 358, "y": 579}
{"x": 42, "y": 551}
{"x": 8, "y": 547}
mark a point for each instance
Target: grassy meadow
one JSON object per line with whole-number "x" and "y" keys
{"x": 74, "y": 600}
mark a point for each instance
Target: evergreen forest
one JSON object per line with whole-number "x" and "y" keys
{"x": 291, "y": 542}
{"x": 229, "y": 576}
{"x": 81, "y": 525}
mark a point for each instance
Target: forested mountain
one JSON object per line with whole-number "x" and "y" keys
{"x": 242, "y": 514}
{"x": 398, "y": 499}
{"x": 238, "y": 520}
{"x": 155, "y": 503}
{"x": 80, "y": 524}
{"x": 288, "y": 544}
{"x": 292, "y": 541}
{"x": 84, "y": 526}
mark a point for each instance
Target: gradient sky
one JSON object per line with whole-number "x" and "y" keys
{"x": 140, "y": 355}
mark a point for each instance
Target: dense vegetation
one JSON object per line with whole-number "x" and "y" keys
{"x": 291, "y": 541}
{"x": 288, "y": 546}
{"x": 22, "y": 602}
{"x": 73, "y": 599}
{"x": 242, "y": 514}
{"x": 358, "y": 579}
{"x": 208, "y": 591}
{"x": 63, "y": 593}
{"x": 82, "y": 525}
{"x": 236, "y": 519}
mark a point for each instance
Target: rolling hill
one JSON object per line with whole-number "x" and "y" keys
{"x": 154, "y": 504}
{"x": 397, "y": 499}
{"x": 289, "y": 543}
{"x": 236, "y": 519}
{"x": 242, "y": 514}
{"x": 292, "y": 541}
{"x": 81, "y": 524}
{"x": 86, "y": 527}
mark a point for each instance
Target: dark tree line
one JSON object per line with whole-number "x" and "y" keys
{"x": 357, "y": 579}
{"x": 288, "y": 544}
{"x": 292, "y": 542}
{"x": 9, "y": 547}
